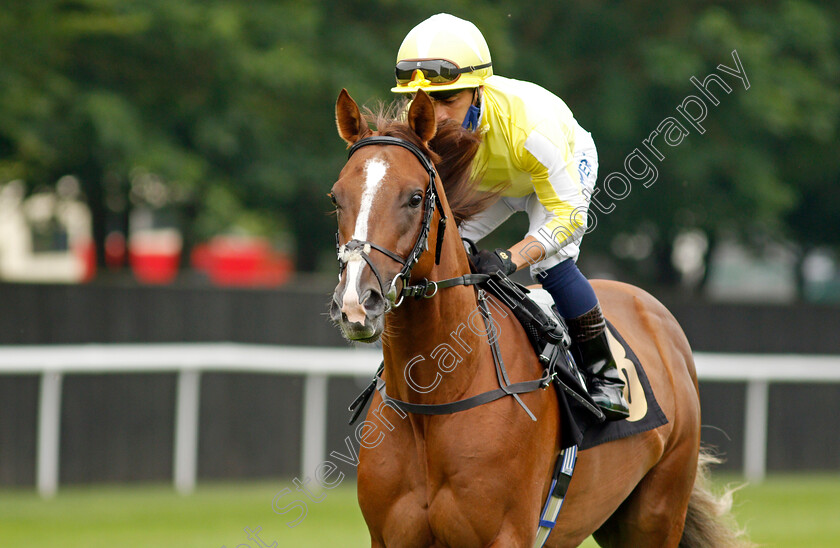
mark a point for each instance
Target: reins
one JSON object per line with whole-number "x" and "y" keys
{"x": 425, "y": 288}
{"x": 428, "y": 289}
{"x": 432, "y": 202}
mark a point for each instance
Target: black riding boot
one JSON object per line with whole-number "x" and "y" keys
{"x": 592, "y": 349}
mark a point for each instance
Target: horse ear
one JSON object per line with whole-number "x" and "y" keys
{"x": 348, "y": 118}
{"x": 421, "y": 116}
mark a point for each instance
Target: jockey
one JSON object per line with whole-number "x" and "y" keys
{"x": 531, "y": 143}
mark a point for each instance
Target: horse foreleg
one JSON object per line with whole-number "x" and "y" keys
{"x": 512, "y": 537}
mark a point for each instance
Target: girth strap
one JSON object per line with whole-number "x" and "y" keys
{"x": 561, "y": 478}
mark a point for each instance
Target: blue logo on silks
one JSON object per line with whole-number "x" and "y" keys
{"x": 585, "y": 170}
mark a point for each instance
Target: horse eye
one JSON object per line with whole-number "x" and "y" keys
{"x": 416, "y": 200}
{"x": 332, "y": 199}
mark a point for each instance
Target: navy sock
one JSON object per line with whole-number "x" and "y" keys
{"x": 570, "y": 290}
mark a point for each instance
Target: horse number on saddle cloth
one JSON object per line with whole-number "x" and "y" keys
{"x": 645, "y": 413}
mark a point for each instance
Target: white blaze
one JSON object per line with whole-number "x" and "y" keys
{"x": 375, "y": 170}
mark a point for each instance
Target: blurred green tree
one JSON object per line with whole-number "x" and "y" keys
{"x": 230, "y": 102}
{"x": 767, "y": 160}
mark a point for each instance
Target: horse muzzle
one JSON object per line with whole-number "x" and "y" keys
{"x": 362, "y": 318}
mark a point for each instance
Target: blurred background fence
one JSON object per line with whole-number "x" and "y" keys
{"x": 169, "y": 162}
{"x": 121, "y": 427}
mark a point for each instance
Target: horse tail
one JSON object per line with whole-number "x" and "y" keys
{"x": 709, "y": 522}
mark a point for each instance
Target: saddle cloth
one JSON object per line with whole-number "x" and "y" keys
{"x": 580, "y": 427}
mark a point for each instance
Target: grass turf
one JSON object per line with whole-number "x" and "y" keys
{"x": 785, "y": 511}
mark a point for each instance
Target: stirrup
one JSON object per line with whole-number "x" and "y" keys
{"x": 605, "y": 383}
{"x": 614, "y": 408}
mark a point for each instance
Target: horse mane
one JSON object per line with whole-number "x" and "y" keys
{"x": 452, "y": 150}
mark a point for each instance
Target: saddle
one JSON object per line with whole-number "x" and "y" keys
{"x": 534, "y": 309}
{"x": 548, "y": 334}
{"x": 583, "y": 424}
{"x": 549, "y": 338}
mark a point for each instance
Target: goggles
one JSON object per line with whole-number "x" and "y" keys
{"x": 436, "y": 71}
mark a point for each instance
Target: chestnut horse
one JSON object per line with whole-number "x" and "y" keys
{"x": 479, "y": 477}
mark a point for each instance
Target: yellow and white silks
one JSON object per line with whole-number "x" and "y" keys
{"x": 532, "y": 143}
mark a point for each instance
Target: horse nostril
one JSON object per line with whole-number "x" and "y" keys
{"x": 373, "y": 301}
{"x": 335, "y": 309}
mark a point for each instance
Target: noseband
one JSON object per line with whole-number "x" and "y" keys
{"x": 363, "y": 248}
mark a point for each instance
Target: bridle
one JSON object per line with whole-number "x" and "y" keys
{"x": 358, "y": 248}
{"x": 362, "y": 249}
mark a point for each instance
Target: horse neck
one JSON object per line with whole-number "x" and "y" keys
{"x": 432, "y": 346}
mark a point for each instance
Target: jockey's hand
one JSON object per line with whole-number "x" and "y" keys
{"x": 488, "y": 262}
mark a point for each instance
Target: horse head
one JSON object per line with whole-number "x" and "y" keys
{"x": 385, "y": 198}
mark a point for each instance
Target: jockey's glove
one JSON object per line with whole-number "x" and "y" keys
{"x": 488, "y": 262}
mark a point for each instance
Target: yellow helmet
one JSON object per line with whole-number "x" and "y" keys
{"x": 442, "y": 53}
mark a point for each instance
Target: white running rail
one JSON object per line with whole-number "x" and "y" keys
{"x": 317, "y": 365}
